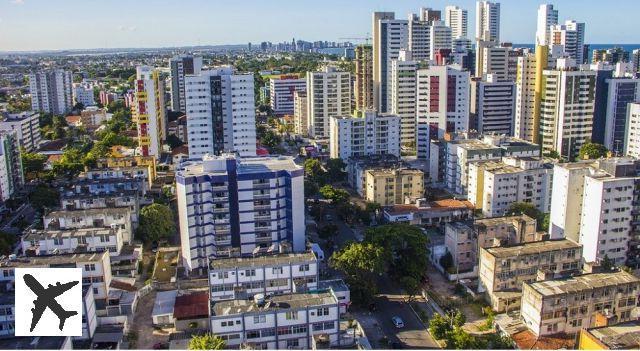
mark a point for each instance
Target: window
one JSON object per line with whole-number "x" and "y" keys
{"x": 277, "y": 270}
{"x": 90, "y": 267}
{"x": 95, "y": 291}
{"x": 259, "y": 319}
{"x": 298, "y": 329}
{"x": 303, "y": 268}
{"x": 293, "y": 343}
{"x": 250, "y": 273}
{"x": 253, "y": 334}
{"x": 323, "y": 311}
{"x": 291, "y": 315}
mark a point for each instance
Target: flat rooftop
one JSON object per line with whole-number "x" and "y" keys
{"x": 54, "y": 259}
{"x": 389, "y": 171}
{"x": 274, "y": 303}
{"x": 88, "y": 212}
{"x": 260, "y": 261}
{"x": 532, "y": 248}
{"x": 494, "y": 221}
{"x": 67, "y": 233}
{"x": 620, "y": 336}
{"x": 245, "y": 165}
{"x": 433, "y": 206}
{"x": 582, "y": 282}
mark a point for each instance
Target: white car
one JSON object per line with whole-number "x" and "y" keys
{"x": 397, "y": 321}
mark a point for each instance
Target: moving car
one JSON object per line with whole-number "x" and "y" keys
{"x": 397, "y": 321}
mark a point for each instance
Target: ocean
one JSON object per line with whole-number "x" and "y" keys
{"x": 626, "y": 47}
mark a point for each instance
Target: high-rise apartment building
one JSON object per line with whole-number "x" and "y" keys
{"x": 389, "y": 37}
{"x": 281, "y": 92}
{"x": 363, "y": 87}
{"x": 403, "y": 95}
{"x": 488, "y": 21}
{"x": 622, "y": 92}
{"x": 11, "y": 173}
{"x": 300, "y": 118}
{"x": 51, "y": 91}
{"x": 232, "y": 206}
{"x": 439, "y": 38}
{"x": 149, "y": 111}
{"x": 455, "y": 18}
{"x": 328, "y": 95}
{"x": 495, "y": 60}
{"x": 27, "y": 128}
{"x": 632, "y": 136}
{"x": 419, "y": 37}
{"x": 220, "y": 112}
{"x": 547, "y": 17}
{"x": 83, "y": 94}
{"x": 181, "y": 66}
{"x": 567, "y": 108}
{"x": 367, "y": 134}
{"x": 442, "y": 98}
{"x": 492, "y": 105}
{"x": 571, "y": 36}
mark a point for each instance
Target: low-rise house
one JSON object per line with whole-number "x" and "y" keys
{"x": 503, "y": 269}
{"x": 163, "y": 307}
{"x": 51, "y": 242}
{"x": 231, "y": 278}
{"x": 191, "y": 311}
{"x": 624, "y": 336}
{"x": 279, "y": 322}
{"x": 434, "y": 213}
{"x": 569, "y": 305}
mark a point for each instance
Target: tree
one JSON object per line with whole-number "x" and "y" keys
{"x": 335, "y": 170}
{"x": 44, "y": 196}
{"x": 439, "y": 326}
{"x": 530, "y": 210}
{"x": 328, "y": 231}
{"x": 607, "y": 264}
{"x": 446, "y": 261}
{"x": 156, "y": 223}
{"x": 405, "y": 248}
{"x": 459, "y": 319}
{"x": 336, "y": 196}
{"x": 173, "y": 141}
{"x": 33, "y": 163}
{"x": 360, "y": 262}
{"x": 310, "y": 188}
{"x": 458, "y": 339}
{"x": 7, "y": 240}
{"x": 313, "y": 170}
{"x": 206, "y": 342}
{"x": 411, "y": 286}
{"x": 590, "y": 151}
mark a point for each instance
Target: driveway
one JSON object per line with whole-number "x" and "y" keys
{"x": 143, "y": 327}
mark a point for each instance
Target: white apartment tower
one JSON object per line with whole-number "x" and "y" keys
{"x": 439, "y": 38}
{"x": 231, "y": 207}
{"x": 281, "y": 92}
{"x": 488, "y": 21}
{"x": 442, "y": 98}
{"x": 51, "y": 91}
{"x": 455, "y": 17}
{"x": 149, "y": 111}
{"x": 328, "y": 95}
{"x": 495, "y": 60}
{"x": 389, "y": 37}
{"x": 403, "y": 94}
{"x": 547, "y": 17}
{"x": 369, "y": 134}
{"x": 181, "y": 66}
{"x": 220, "y": 112}
{"x": 419, "y": 38}
{"x": 632, "y": 137}
{"x": 571, "y": 36}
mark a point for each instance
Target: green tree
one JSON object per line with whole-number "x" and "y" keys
{"x": 458, "y": 339}
{"x": 405, "y": 249}
{"x": 7, "y": 240}
{"x": 530, "y": 210}
{"x": 439, "y": 326}
{"x": 328, "y": 231}
{"x": 313, "y": 170}
{"x": 335, "y": 170}
{"x": 607, "y": 264}
{"x": 411, "y": 286}
{"x": 44, "y": 196}
{"x": 590, "y": 151}
{"x": 446, "y": 261}
{"x": 206, "y": 342}
{"x": 156, "y": 223}
{"x": 337, "y": 196}
{"x": 459, "y": 319}
{"x": 33, "y": 163}
{"x": 360, "y": 262}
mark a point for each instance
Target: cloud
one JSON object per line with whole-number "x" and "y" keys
{"x": 17, "y": 2}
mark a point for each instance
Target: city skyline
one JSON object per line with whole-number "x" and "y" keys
{"x": 150, "y": 24}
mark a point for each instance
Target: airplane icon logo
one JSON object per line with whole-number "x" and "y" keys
{"x": 47, "y": 298}
{"x": 49, "y": 302}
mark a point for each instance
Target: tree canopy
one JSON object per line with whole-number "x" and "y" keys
{"x": 206, "y": 342}
{"x": 526, "y": 208}
{"x": 44, "y": 196}
{"x": 156, "y": 223}
{"x": 360, "y": 262}
{"x": 590, "y": 151}
{"x": 334, "y": 194}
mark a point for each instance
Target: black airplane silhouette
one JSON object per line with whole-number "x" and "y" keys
{"x": 47, "y": 298}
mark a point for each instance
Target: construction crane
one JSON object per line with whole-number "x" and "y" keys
{"x": 366, "y": 40}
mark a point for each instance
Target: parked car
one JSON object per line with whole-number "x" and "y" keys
{"x": 397, "y": 321}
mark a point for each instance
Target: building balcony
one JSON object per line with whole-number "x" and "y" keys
{"x": 261, "y": 186}
{"x": 221, "y": 210}
{"x": 261, "y": 196}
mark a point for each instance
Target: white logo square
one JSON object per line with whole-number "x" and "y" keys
{"x": 48, "y": 301}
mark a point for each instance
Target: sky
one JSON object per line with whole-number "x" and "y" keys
{"x": 85, "y": 24}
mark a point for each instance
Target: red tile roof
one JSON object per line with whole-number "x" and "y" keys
{"x": 192, "y": 306}
{"x": 116, "y": 284}
{"x": 526, "y": 340}
{"x": 182, "y": 149}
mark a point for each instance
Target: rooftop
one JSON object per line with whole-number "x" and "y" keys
{"x": 274, "y": 303}
{"x": 582, "y": 282}
{"x": 33, "y": 343}
{"x": 88, "y": 212}
{"x": 620, "y": 336}
{"x": 245, "y": 165}
{"x": 438, "y": 205}
{"x": 334, "y": 284}
{"x": 190, "y": 306}
{"x": 269, "y": 260}
{"x": 494, "y": 221}
{"x": 164, "y": 303}
{"x": 532, "y": 248}
{"x": 392, "y": 171}
{"x": 66, "y": 233}
{"x": 44, "y": 260}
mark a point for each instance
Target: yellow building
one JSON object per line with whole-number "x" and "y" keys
{"x": 130, "y": 162}
{"x": 391, "y": 186}
{"x": 624, "y": 336}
